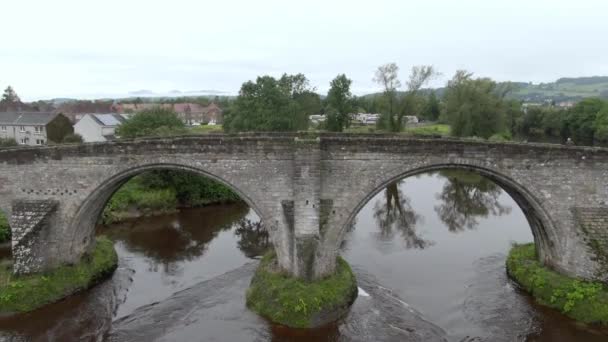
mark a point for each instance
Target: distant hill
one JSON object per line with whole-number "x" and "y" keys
{"x": 564, "y": 89}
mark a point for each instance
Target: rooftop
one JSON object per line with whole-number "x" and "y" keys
{"x": 26, "y": 118}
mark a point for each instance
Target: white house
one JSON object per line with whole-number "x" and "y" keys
{"x": 98, "y": 127}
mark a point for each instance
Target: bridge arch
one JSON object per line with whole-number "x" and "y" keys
{"x": 87, "y": 215}
{"x": 542, "y": 225}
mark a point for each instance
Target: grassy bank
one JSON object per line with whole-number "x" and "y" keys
{"x": 160, "y": 192}
{"x": 295, "y": 303}
{"x": 26, "y": 293}
{"x": 5, "y": 230}
{"x": 583, "y": 301}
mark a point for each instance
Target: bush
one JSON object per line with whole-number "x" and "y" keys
{"x": 584, "y": 301}
{"x": 73, "y": 138}
{"x": 152, "y": 122}
{"x": 295, "y": 303}
{"x": 5, "y": 229}
{"x": 7, "y": 142}
{"x": 503, "y": 136}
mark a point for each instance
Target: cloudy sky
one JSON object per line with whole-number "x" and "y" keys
{"x": 85, "y": 48}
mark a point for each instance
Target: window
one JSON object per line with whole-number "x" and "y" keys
{"x": 23, "y": 141}
{"x": 3, "y": 128}
{"x": 21, "y": 128}
{"x": 39, "y": 141}
{"x": 38, "y": 129}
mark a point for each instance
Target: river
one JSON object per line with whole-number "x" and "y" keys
{"x": 428, "y": 252}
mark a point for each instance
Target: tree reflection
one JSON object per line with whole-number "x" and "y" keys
{"x": 466, "y": 197}
{"x": 395, "y": 214}
{"x": 254, "y": 239}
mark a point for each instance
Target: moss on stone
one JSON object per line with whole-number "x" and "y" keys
{"x": 583, "y": 301}
{"x": 296, "y": 303}
{"x": 29, "y": 292}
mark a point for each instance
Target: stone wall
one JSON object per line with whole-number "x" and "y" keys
{"x": 308, "y": 189}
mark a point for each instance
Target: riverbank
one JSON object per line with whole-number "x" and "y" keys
{"x": 164, "y": 192}
{"x": 27, "y": 293}
{"x": 298, "y": 304}
{"x": 583, "y": 301}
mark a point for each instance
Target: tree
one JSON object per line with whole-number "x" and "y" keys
{"x": 269, "y": 104}
{"x": 412, "y": 102}
{"x": 387, "y": 76}
{"x": 473, "y": 107}
{"x": 601, "y": 126}
{"x": 58, "y": 128}
{"x": 7, "y": 142}
{"x": 151, "y": 122}
{"x": 339, "y": 101}
{"x": 580, "y": 122}
{"x": 432, "y": 108}
{"x": 10, "y": 96}
{"x": 73, "y": 138}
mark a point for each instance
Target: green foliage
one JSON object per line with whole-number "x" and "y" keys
{"x": 164, "y": 191}
{"x": 432, "y": 108}
{"x": 58, "y": 128}
{"x": 473, "y": 106}
{"x": 8, "y": 142}
{"x": 584, "y": 301}
{"x": 437, "y": 129}
{"x": 26, "y": 293}
{"x": 152, "y": 122}
{"x": 269, "y": 104}
{"x": 5, "y": 229}
{"x": 339, "y": 101}
{"x": 205, "y": 129}
{"x": 73, "y": 138}
{"x": 293, "y": 302}
{"x": 502, "y": 136}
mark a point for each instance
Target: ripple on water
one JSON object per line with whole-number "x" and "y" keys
{"x": 215, "y": 310}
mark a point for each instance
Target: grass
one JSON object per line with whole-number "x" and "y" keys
{"x": 5, "y": 230}
{"x": 26, "y": 293}
{"x": 434, "y": 129}
{"x": 583, "y": 301}
{"x": 295, "y": 303}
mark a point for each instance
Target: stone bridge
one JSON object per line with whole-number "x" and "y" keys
{"x": 306, "y": 189}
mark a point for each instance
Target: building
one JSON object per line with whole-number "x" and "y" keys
{"x": 32, "y": 128}
{"x": 98, "y": 127}
{"x": 189, "y": 113}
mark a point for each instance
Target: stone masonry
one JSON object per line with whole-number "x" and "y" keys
{"x": 306, "y": 189}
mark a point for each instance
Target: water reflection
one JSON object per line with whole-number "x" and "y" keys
{"x": 466, "y": 197}
{"x": 254, "y": 239}
{"x": 394, "y": 213}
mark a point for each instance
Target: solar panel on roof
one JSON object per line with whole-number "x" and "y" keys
{"x": 107, "y": 119}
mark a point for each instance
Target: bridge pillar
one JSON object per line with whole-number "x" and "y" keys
{"x": 30, "y": 223}
{"x": 306, "y": 203}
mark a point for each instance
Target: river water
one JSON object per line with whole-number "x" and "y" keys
{"x": 428, "y": 253}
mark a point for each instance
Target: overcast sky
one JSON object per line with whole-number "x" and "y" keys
{"x": 84, "y": 48}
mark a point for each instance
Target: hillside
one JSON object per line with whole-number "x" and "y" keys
{"x": 564, "y": 89}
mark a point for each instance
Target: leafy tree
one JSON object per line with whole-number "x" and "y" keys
{"x": 387, "y": 76}
{"x": 432, "y": 108}
{"x": 73, "y": 138}
{"x": 580, "y": 122}
{"x": 58, "y": 128}
{"x": 10, "y": 96}
{"x": 269, "y": 104}
{"x": 473, "y": 107}
{"x": 151, "y": 122}
{"x": 412, "y": 102}
{"x": 601, "y": 126}
{"x": 339, "y": 101}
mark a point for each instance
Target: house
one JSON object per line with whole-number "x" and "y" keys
{"x": 33, "y": 128}
{"x": 189, "y": 113}
{"x": 98, "y": 127}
